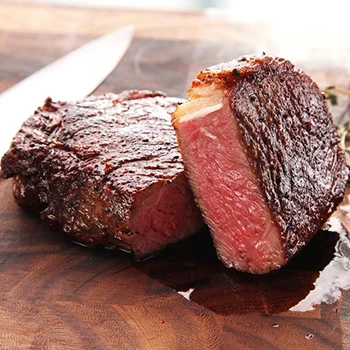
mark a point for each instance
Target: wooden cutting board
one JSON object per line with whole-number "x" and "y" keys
{"x": 58, "y": 295}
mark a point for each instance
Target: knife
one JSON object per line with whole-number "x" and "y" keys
{"x": 71, "y": 77}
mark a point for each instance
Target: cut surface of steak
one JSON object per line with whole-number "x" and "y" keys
{"x": 107, "y": 170}
{"x": 262, "y": 157}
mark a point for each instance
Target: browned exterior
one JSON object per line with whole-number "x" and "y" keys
{"x": 58, "y": 295}
{"x": 90, "y": 161}
{"x": 290, "y": 139}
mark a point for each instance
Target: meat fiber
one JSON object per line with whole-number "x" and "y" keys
{"x": 262, "y": 156}
{"x": 106, "y": 170}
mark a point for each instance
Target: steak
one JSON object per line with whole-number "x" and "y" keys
{"x": 106, "y": 170}
{"x": 261, "y": 153}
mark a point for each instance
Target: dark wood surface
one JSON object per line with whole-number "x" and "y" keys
{"x": 57, "y": 295}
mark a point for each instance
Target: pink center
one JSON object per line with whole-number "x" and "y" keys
{"x": 228, "y": 192}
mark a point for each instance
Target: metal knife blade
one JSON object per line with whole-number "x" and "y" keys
{"x": 71, "y": 77}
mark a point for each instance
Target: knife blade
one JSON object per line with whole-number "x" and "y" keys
{"x": 70, "y": 77}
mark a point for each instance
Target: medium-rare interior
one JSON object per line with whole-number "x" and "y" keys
{"x": 106, "y": 170}
{"x": 262, "y": 157}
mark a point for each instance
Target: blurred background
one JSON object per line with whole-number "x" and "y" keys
{"x": 326, "y": 12}
{"x": 313, "y": 34}
{"x": 321, "y": 24}
{"x": 270, "y": 8}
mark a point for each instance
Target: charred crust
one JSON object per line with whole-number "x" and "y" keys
{"x": 291, "y": 142}
{"x": 236, "y": 72}
{"x": 85, "y": 169}
{"x": 49, "y": 106}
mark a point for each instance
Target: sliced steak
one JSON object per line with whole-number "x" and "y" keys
{"x": 261, "y": 153}
{"x": 107, "y": 171}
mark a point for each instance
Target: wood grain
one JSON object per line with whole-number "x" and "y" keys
{"x": 57, "y": 295}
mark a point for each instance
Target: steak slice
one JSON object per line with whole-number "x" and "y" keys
{"x": 261, "y": 153}
{"x": 107, "y": 170}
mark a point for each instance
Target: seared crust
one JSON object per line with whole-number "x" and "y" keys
{"x": 288, "y": 132}
{"x": 87, "y": 160}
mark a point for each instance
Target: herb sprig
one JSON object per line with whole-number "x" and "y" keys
{"x": 331, "y": 92}
{"x": 344, "y": 130}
